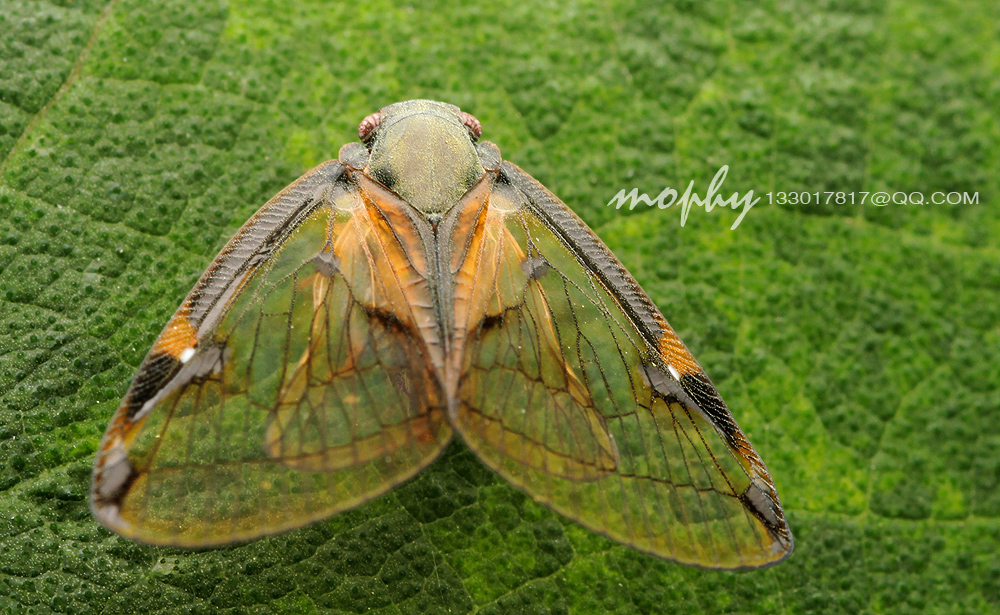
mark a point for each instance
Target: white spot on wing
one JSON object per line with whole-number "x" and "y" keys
{"x": 673, "y": 372}
{"x": 208, "y": 361}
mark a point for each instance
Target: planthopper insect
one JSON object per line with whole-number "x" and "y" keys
{"x": 420, "y": 288}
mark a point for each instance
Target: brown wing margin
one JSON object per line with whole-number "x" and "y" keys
{"x": 277, "y": 394}
{"x": 244, "y": 252}
{"x": 679, "y": 394}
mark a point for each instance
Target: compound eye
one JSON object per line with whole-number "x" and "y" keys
{"x": 368, "y": 125}
{"x": 470, "y": 121}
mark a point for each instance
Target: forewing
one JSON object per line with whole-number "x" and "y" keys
{"x": 289, "y": 385}
{"x": 576, "y": 389}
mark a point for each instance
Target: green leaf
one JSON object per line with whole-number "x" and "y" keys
{"x": 857, "y": 345}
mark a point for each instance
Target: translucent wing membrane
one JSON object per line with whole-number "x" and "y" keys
{"x": 342, "y": 336}
{"x": 304, "y": 396}
{"x": 578, "y": 392}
